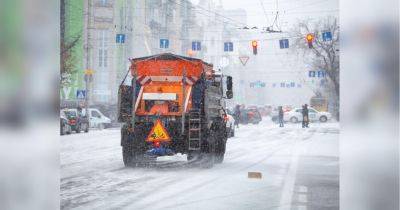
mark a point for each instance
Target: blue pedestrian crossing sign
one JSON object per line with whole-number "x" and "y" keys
{"x": 80, "y": 94}
{"x": 228, "y": 46}
{"x": 284, "y": 43}
{"x": 327, "y": 36}
{"x": 120, "y": 38}
{"x": 164, "y": 43}
{"x": 196, "y": 46}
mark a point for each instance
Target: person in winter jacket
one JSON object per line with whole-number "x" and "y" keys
{"x": 280, "y": 116}
{"x": 236, "y": 115}
{"x": 305, "y": 116}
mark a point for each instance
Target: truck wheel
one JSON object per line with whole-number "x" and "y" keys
{"x": 294, "y": 120}
{"x": 323, "y": 119}
{"x": 133, "y": 147}
{"x": 210, "y": 151}
{"x": 220, "y": 147}
{"x": 127, "y": 155}
{"x": 220, "y": 152}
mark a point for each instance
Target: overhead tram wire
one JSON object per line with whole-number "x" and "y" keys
{"x": 264, "y": 11}
{"x": 230, "y": 20}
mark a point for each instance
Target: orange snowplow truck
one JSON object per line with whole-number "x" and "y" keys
{"x": 173, "y": 104}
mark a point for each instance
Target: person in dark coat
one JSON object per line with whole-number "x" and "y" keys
{"x": 236, "y": 115}
{"x": 305, "y": 116}
{"x": 280, "y": 116}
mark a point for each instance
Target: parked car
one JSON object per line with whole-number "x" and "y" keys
{"x": 230, "y": 126}
{"x": 263, "y": 111}
{"x": 65, "y": 128}
{"x": 97, "y": 119}
{"x": 77, "y": 121}
{"x": 287, "y": 108}
{"x": 295, "y": 115}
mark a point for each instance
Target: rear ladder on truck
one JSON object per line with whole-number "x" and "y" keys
{"x": 194, "y": 130}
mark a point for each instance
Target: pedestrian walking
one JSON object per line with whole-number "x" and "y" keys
{"x": 236, "y": 115}
{"x": 305, "y": 116}
{"x": 280, "y": 116}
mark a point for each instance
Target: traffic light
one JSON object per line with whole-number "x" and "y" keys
{"x": 310, "y": 39}
{"x": 254, "y": 44}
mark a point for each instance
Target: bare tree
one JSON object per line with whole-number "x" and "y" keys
{"x": 323, "y": 55}
{"x": 66, "y": 46}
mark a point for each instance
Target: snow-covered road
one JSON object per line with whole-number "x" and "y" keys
{"x": 300, "y": 170}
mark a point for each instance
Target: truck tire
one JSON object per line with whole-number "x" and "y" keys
{"x": 133, "y": 147}
{"x": 220, "y": 147}
{"x": 127, "y": 155}
{"x": 323, "y": 118}
{"x": 220, "y": 152}
{"x": 211, "y": 153}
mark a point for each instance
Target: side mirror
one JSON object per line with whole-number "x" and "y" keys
{"x": 229, "y": 91}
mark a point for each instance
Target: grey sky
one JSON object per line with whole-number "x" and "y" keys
{"x": 290, "y": 10}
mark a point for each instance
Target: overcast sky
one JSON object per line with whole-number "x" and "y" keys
{"x": 290, "y": 10}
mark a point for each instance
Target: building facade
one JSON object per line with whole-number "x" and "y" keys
{"x": 113, "y": 31}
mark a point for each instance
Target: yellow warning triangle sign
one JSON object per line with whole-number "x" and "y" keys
{"x": 158, "y": 133}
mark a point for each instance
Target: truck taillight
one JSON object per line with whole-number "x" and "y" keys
{"x": 156, "y": 144}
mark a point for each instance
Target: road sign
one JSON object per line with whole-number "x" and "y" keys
{"x": 243, "y": 59}
{"x": 196, "y": 46}
{"x": 158, "y": 133}
{"x": 284, "y": 43}
{"x": 228, "y": 46}
{"x": 80, "y": 94}
{"x": 89, "y": 71}
{"x": 327, "y": 36}
{"x": 164, "y": 43}
{"x": 120, "y": 38}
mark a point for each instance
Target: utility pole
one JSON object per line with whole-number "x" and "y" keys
{"x": 88, "y": 72}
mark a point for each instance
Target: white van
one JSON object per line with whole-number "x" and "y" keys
{"x": 97, "y": 119}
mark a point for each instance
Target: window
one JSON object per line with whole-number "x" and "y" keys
{"x": 103, "y": 3}
{"x": 103, "y": 48}
{"x": 312, "y": 110}
{"x": 96, "y": 114}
